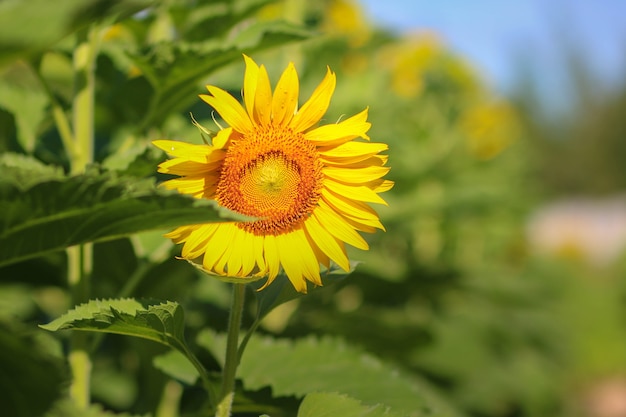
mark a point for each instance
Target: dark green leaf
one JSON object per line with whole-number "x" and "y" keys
{"x": 25, "y": 171}
{"x": 55, "y": 214}
{"x": 29, "y": 371}
{"x": 175, "y": 68}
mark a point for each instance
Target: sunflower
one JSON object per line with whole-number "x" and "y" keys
{"x": 306, "y": 187}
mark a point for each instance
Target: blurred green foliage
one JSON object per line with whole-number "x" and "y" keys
{"x": 450, "y": 312}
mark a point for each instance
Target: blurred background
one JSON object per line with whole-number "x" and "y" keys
{"x": 500, "y": 281}
{"x": 502, "y": 275}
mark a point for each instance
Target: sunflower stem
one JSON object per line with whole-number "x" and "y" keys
{"x": 60, "y": 118}
{"x": 83, "y": 103}
{"x": 232, "y": 358}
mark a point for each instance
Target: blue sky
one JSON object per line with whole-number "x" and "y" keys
{"x": 494, "y": 34}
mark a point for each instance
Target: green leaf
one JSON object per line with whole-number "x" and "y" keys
{"x": 281, "y": 290}
{"x": 158, "y": 321}
{"x": 325, "y": 404}
{"x": 27, "y": 27}
{"x": 296, "y": 368}
{"x": 175, "y": 68}
{"x": 138, "y": 160}
{"x": 29, "y": 371}
{"x": 176, "y": 365}
{"x": 265, "y": 35}
{"x": 214, "y": 18}
{"x": 161, "y": 322}
{"x": 25, "y": 171}
{"x": 55, "y": 214}
{"x": 21, "y": 95}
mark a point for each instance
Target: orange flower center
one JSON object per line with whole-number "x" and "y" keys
{"x": 273, "y": 174}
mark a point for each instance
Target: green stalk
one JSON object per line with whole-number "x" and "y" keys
{"x": 84, "y": 92}
{"x": 80, "y": 258}
{"x": 60, "y": 118}
{"x": 232, "y": 358}
{"x": 79, "y": 266}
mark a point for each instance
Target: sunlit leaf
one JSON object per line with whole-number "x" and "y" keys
{"x": 176, "y": 365}
{"x": 264, "y": 35}
{"x": 161, "y": 322}
{"x": 325, "y": 404}
{"x": 296, "y": 368}
{"x": 25, "y": 101}
{"x": 27, "y": 27}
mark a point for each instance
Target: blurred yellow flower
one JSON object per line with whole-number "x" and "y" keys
{"x": 414, "y": 58}
{"x": 345, "y": 18}
{"x": 489, "y": 128}
{"x": 308, "y": 187}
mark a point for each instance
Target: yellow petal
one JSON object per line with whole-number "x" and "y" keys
{"x": 198, "y": 187}
{"x": 226, "y": 240}
{"x": 215, "y": 247}
{"x": 195, "y": 246}
{"x": 338, "y": 133}
{"x": 222, "y": 137}
{"x": 197, "y": 153}
{"x": 272, "y": 258}
{"x": 380, "y": 186}
{"x": 327, "y": 242}
{"x": 263, "y": 98}
{"x": 310, "y": 266}
{"x": 285, "y": 100}
{"x": 185, "y": 167}
{"x": 352, "y": 151}
{"x": 355, "y": 176}
{"x": 352, "y": 208}
{"x": 258, "y": 247}
{"x": 315, "y": 107}
{"x": 228, "y": 108}
{"x": 354, "y": 192}
{"x": 362, "y": 225}
{"x": 249, "y": 84}
{"x": 337, "y": 227}
{"x": 356, "y": 162}
{"x": 247, "y": 255}
{"x": 322, "y": 258}
{"x": 235, "y": 256}
{"x": 291, "y": 261}
{"x": 180, "y": 234}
